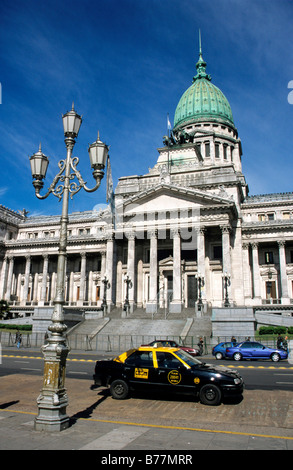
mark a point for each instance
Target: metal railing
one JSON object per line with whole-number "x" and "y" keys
{"x": 120, "y": 343}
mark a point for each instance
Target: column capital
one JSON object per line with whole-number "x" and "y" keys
{"x": 225, "y": 228}
{"x": 281, "y": 243}
{"x": 130, "y": 235}
{"x": 254, "y": 245}
{"x": 152, "y": 233}
{"x": 175, "y": 232}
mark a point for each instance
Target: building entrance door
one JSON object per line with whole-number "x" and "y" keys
{"x": 191, "y": 291}
{"x": 271, "y": 290}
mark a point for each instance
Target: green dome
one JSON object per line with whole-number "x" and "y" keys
{"x": 202, "y": 101}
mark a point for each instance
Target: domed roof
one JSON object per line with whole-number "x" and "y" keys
{"x": 202, "y": 101}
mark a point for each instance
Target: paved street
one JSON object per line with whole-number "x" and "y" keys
{"x": 262, "y": 420}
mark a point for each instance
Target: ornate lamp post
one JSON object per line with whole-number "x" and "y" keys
{"x": 200, "y": 284}
{"x": 104, "y": 303}
{"x": 128, "y": 283}
{"x": 53, "y": 400}
{"x": 227, "y": 283}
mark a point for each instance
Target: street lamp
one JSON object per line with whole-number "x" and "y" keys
{"x": 129, "y": 285}
{"x": 104, "y": 303}
{"x": 227, "y": 283}
{"x": 53, "y": 399}
{"x": 200, "y": 284}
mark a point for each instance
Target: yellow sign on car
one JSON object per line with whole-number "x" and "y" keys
{"x": 174, "y": 377}
{"x": 141, "y": 373}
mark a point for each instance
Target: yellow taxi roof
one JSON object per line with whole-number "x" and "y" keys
{"x": 122, "y": 357}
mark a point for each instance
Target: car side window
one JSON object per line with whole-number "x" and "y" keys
{"x": 246, "y": 345}
{"x": 167, "y": 360}
{"x": 140, "y": 359}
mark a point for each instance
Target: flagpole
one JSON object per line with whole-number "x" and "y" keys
{"x": 168, "y": 127}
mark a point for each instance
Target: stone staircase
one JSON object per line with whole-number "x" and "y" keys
{"x": 139, "y": 328}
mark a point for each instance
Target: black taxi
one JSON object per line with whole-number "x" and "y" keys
{"x": 166, "y": 370}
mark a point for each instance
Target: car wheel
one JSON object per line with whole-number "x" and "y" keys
{"x": 210, "y": 395}
{"x": 237, "y": 356}
{"x": 219, "y": 355}
{"x": 275, "y": 357}
{"x": 119, "y": 389}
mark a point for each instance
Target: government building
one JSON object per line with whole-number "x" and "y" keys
{"x": 187, "y": 234}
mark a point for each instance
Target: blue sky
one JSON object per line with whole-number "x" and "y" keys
{"x": 125, "y": 64}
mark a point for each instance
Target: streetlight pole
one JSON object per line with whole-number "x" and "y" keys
{"x": 200, "y": 284}
{"x": 128, "y": 283}
{"x": 53, "y": 399}
{"x": 227, "y": 283}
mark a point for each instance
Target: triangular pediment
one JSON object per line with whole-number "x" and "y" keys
{"x": 166, "y": 197}
{"x": 166, "y": 262}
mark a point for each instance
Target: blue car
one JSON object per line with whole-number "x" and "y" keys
{"x": 253, "y": 350}
{"x": 219, "y": 351}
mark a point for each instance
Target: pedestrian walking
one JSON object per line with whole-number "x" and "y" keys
{"x": 18, "y": 339}
{"x": 280, "y": 341}
{"x": 200, "y": 345}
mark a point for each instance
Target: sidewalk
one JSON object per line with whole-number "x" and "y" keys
{"x": 97, "y": 422}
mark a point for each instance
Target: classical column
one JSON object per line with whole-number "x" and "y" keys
{"x": 256, "y": 274}
{"x": 71, "y": 288}
{"x": 283, "y": 273}
{"x": 152, "y": 305}
{"x": 201, "y": 251}
{"x": 103, "y": 263}
{"x": 131, "y": 267}
{"x": 44, "y": 280}
{"x": 9, "y": 278}
{"x": 176, "y": 304}
{"x": 109, "y": 269}
{"x": 226, "y": 249}
{"x": 26, "y": 279}
{"x": 246, "y": 272}
{"x": 82, "y": 278}
{"x": 35, "y": 288}
{"x": 3, "y": 282}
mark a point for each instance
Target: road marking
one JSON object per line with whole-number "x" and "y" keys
{"x": 116, "y": 439}
{"x": 231, "y": 366}
{"x": 285, "y": 383}
{"x": 76, "y": 372}
{"x": 162, "y": 426}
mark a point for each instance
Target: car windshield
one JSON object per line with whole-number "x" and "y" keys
{"x": 190, "y": 360}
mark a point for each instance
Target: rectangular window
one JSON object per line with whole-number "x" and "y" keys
{"x": 217, "y": 252}
{"x": 261, "y": 217}
{"x": 269, "y": 258}
{"x": 217, "y": 150}
{"x": 207, "y": 149}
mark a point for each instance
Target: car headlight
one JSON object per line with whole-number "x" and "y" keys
{"x": 237, "y": 381}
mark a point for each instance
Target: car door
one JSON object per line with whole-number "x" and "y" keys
{"x": 171, "y": 374}
{"x": 246, "y": 350}
{"x": 258, "y": 351}
{"x": 139, "y": 369}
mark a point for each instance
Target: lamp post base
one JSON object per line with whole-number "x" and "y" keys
{"x": 53, "y": 399}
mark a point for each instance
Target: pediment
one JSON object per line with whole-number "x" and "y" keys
{"x": 166, "y": 262}
{"x": 167, "y": 197}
